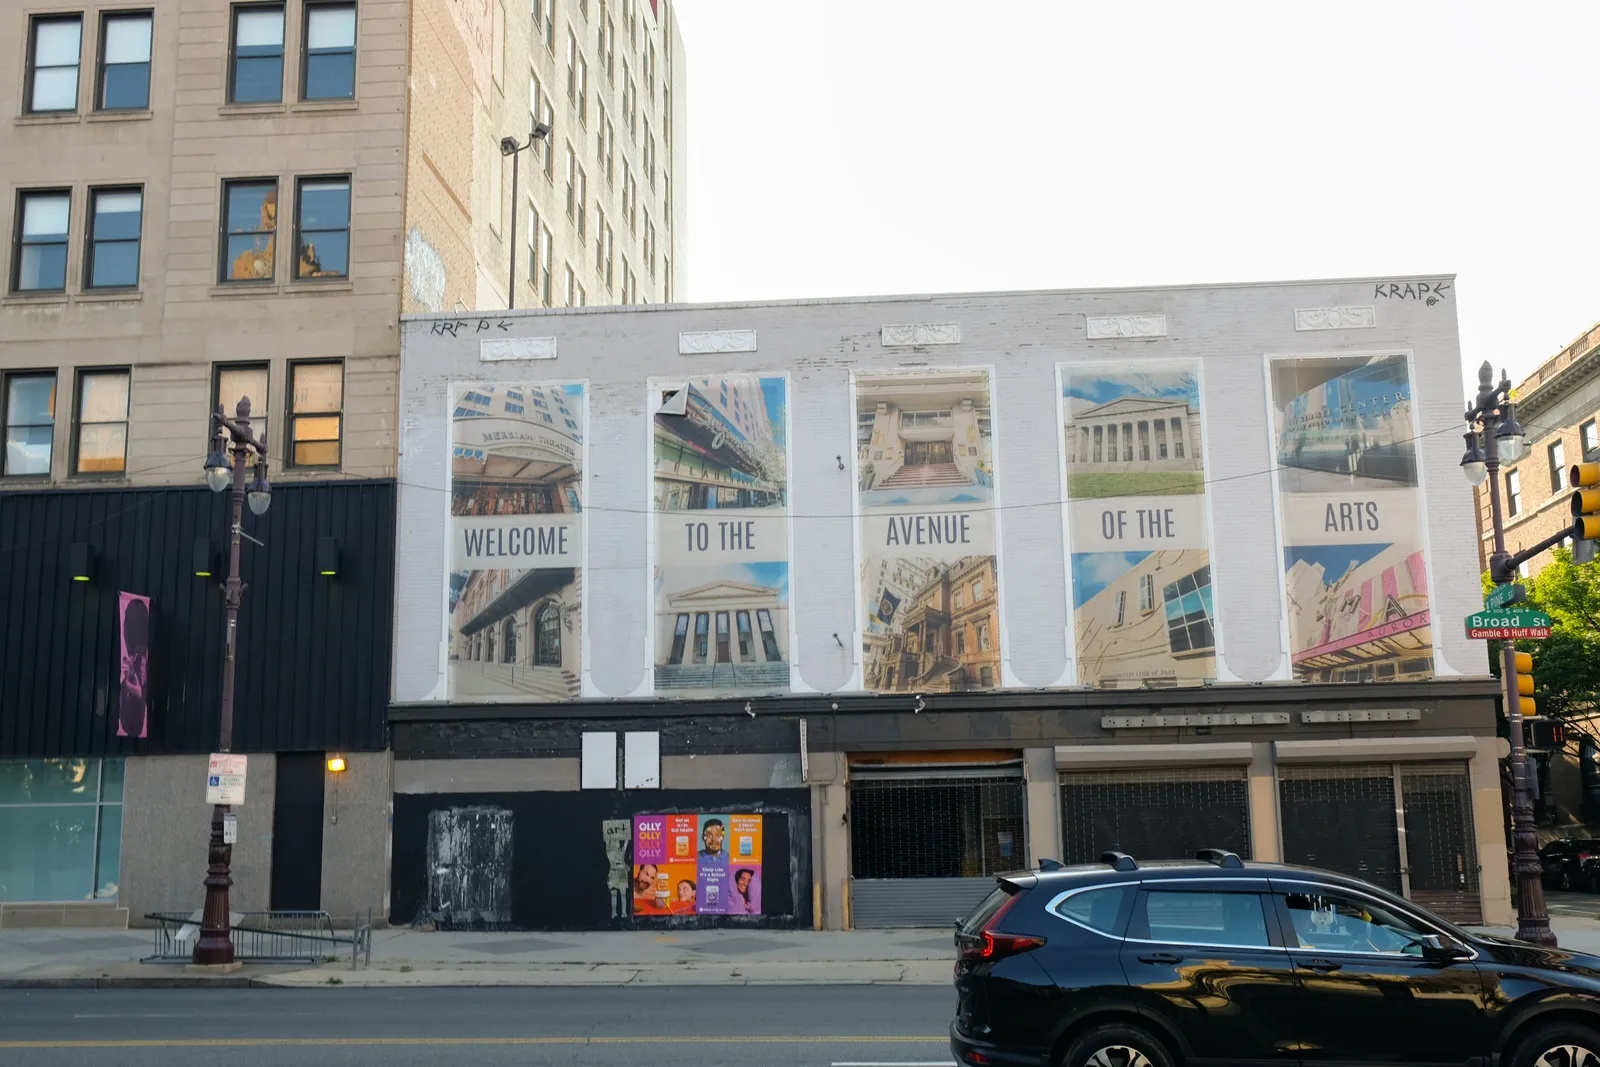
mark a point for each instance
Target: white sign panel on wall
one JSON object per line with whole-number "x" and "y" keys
{"x": 514, "y": 602}
{"x": 719, "y": 503}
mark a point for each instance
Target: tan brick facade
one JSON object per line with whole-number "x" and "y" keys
{"x": 180, "y": 321}
{"x": 1555, "y": 405}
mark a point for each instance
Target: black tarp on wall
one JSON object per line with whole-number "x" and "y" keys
{"x": 558, "y": 868}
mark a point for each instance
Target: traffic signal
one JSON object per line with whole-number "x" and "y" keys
{"x": 1585, "y": 480}
{"x": 1544, "y": 735}
{"x": 1525, "y": 701}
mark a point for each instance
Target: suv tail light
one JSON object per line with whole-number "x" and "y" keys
{"x": 989, "y": 944}
{"x": 1585, "y": 857}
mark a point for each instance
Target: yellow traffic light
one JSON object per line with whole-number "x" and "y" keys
{"x": 1523, "y": 663}
{"x": 1522, "y": 667}
{"x": 1529, "y": 707}
{"x": 1525, "y": 684}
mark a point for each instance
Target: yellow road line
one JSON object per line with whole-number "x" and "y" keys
{"x": 314, "y": 1042}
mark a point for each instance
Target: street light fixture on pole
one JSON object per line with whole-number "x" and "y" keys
{"x": 1493, "y": 434}
{"x": 231, "y": 453}
{"x": 510, "y": 147}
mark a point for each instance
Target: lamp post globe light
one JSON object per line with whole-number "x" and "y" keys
{"x": 232, "y": 450}
{"x": 1493, "y": 435}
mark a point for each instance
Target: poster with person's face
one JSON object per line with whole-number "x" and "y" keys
{"x": 133, "y": 708}
{"x": 1137, "y": 524}
{"x": 926, "y": 492}
{"x": 720, "y": 509}
{"x": 696, "y": 865}
{"x": 514, "y": 618}
{"x": 1349, "y": 518}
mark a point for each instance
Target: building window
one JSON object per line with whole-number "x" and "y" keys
{"x": 532, "y": 237}
{"x": 546, "y": 10}
{"x": 630, "y": 198}
{"x": 602, "y": 243}
{"x": 608, "y": 48}
{"x": 1177, "y": 438}
{"x": 1147, "y": 593}
{"x": 322, "y": 228}
{"x": 234, "y": 382}
{"x": 29, "y": 415}
{"x": 1513, "y": 492}
{"x": 572, "y": 181}
{"x": 649, "y": 245}
{"x": 328, "y": 68}
{"x": 957, "y": 603}
{"x": 1589, "y": 438}
{"x": 572, "y": 288}
{"x": 1189, "y": 614}
{"x": 986, "y": 677}
{"x": 102, "y": 442}
{"x": 316, "y": 413}
{"x": 257, "y": 74}
{"x": 65, "y": 815}
{"x": 1558, "y": 466}
{"x": 582, "y": 213}
{"x": 983, "y": 637}
{"x": 125, "y": 61}
{"x": 53, "y": 54}
{"x": 666, "y": 279}
{"x": 114, "y": 218}
{"x": 546, "y": 253}
{"x": 39, "y": 257}
{"x": 249, "y": 230}
{"x": 961, "y": 640}
{"x": 1122, "y": 607}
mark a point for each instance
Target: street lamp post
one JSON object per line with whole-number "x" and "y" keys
{"x": 1493, "y": 434}
{"x": 510, "y": 147}
{"x": 230, "y": 455}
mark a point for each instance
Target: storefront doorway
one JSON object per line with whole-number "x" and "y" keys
{"x": 927, "y": 839}
{"x": 1406, "y": 827}
{"x": 924, "y": 453}
{"x": 1169, "y": 813}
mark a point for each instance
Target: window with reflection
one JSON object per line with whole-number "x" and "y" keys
{"x": 256, "y": 69}
{"x": 328, "y": 70}
{"x": 102, "y": 442}
{"x": 316, "y": 412}
{"x": 61, "y": 822}
{"x": 29, "y": 414}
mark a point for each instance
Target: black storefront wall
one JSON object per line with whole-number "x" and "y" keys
{"x": 541, "y": 856}
{"x": 313, "y": 667}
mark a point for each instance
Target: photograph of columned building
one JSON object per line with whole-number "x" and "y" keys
{"x": 1144, "y": 618}
{"x": 724, "y": 628}
{"x": 516, "y": 634}
{"x": 1359, "y": 613}
{"x": 1132, "y": 445}
{"x": 945, "y": 638}
{"x": 727, "y": 448}
{"x": 924, "y": 439}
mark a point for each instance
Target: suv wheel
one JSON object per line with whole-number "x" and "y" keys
{"x": 1559, "y": 1045}
{"x": 1121, "y": 1045}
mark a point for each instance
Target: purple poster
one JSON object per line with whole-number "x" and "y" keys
{"x": 744, "y": 890}
{"x": 134, "y": 617}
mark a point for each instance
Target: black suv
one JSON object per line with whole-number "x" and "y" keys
{"x": 1570, "y": 863}
{"x": 1218, "y": 961}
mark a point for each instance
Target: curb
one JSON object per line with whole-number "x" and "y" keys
{"x": 108, "y": 982}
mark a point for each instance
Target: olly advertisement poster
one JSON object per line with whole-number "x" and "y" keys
{"x": 929, "y": 530}
{"x": 696, "y": 865}
{"x": 514, "y": 605}
{"x": 1138, "y": 526}
{"x": 720, "y": 504}
{"x": 1355, "y": 567}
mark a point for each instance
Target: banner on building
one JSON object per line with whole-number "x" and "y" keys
{"x": 514, "y": 620}
{"x": 929, "y": 531}
{"x": 1137, "y": 523}
{"x": 133, "y": 613}
{"x": 696, "y": 865}
{"x": 1349, "y": 518}
{"x": 720, "y": 508}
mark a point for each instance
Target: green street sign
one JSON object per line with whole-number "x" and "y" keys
{"x": 1502, "y": 595}
{"x": 1506, "y": 625}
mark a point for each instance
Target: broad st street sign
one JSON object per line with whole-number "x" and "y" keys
{"x": 1507, "y": 625}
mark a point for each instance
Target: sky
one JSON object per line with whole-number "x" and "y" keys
{"x": 861, "y": 147}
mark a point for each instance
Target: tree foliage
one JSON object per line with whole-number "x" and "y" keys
{"x": 1566, "y": 665}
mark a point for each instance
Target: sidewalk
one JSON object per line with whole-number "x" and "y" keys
{"x": 405, "y": 957}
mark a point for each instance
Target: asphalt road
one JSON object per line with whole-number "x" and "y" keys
{"x": 661, "y": 1026}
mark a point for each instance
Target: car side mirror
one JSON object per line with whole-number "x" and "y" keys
{"x": 1442, "y": 949}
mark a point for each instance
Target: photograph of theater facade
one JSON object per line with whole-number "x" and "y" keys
{"x": 916, "y": 590}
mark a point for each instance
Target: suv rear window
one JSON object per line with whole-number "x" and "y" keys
{"x": 1098, "y": 909}
{"x": 985, "y": 911}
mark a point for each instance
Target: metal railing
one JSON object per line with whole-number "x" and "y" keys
{"x": 265, "y": 937}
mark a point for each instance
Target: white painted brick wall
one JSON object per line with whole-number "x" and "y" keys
{"x": 1021, "y": 335}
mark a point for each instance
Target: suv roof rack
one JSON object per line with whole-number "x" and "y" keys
{"x": 1119, "y": 861}
{"x": 1219, "y": 857}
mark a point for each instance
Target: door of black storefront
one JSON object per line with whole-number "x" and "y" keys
{"x": 1405, "y": 827}
{"x": 927, "y": 841}
{"x": 1154, "y": 814}
{"x": 297, "y": 833}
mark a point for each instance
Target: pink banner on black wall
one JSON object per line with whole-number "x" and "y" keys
{"x": 133, "y": 612}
